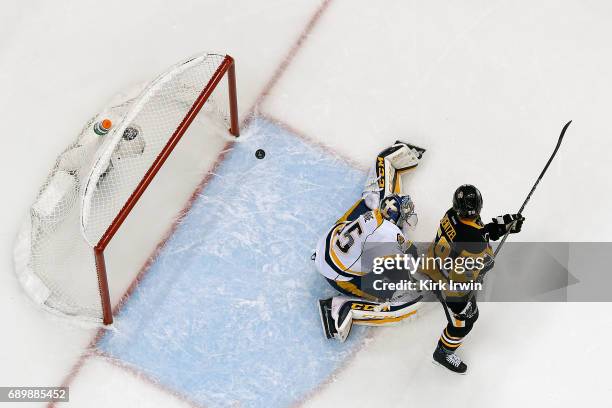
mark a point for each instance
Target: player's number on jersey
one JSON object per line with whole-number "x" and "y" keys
{"x": 443, "y": 248}
{"x": 348, "y": 235}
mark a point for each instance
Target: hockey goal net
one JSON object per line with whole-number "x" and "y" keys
{"x": 99, "y": 179}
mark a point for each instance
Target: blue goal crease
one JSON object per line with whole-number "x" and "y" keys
{"x": 227, "y": 313}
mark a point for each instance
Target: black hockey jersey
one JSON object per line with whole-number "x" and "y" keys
{"x": 459, "y": 252}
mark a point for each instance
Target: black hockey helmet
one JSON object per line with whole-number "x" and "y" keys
{"x": 467, "y": 201}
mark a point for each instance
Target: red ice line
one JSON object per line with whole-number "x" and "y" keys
{"x": 91, "y": 349}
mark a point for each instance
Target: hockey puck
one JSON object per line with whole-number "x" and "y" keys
{"x": 260, "y": 154}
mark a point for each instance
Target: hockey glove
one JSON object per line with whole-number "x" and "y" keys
{"x": 419, "y": 150}
{"x": 501, "y": 224}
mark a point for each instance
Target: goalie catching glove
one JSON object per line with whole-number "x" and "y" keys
{"x": 500, "y": 225}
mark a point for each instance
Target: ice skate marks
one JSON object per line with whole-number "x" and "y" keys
{"x": 225, "y": 315}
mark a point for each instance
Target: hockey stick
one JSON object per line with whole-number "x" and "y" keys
{"x": 520, "y": 211}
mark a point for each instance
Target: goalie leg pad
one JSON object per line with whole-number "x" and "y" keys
{"x": 339, "y": 313}
{"x": 367, "y": 313}
{"x": 344, "y": 322}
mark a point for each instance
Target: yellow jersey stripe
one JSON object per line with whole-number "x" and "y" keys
{"x": 350, "y": 210}
{"x": 469, "y": 222}
{"x": 378, "y": 215}
{"x": 451, "y": 346}
{"x": 353, "y": 289}
{"x": 449, "y": 336}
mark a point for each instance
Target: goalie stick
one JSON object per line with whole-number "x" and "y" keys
{"x": 520, "y": 211}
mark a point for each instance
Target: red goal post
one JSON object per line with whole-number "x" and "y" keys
{"x": 98, "y": 180}
{"x": 226, "y": 68}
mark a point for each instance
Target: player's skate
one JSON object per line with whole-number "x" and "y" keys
{"x": 338, "y": 328}
{"x": 449, "y": 360}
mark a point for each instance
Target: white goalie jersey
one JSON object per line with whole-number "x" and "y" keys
{"x": 339, "y": 253}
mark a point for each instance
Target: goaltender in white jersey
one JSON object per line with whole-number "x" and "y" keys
{"x": 380, "y": 217}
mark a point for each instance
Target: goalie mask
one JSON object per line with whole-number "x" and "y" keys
{"x": 399, "y": 210}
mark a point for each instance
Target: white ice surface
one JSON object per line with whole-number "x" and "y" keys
{"x": 485, "y": 86}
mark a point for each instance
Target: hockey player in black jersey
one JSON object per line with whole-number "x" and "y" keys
{"x": 462, "y": 235}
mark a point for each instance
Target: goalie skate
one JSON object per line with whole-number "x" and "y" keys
{"x": 327, "y": 321}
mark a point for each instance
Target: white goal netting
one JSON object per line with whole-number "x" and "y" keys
{"x": 95, "y": 176}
